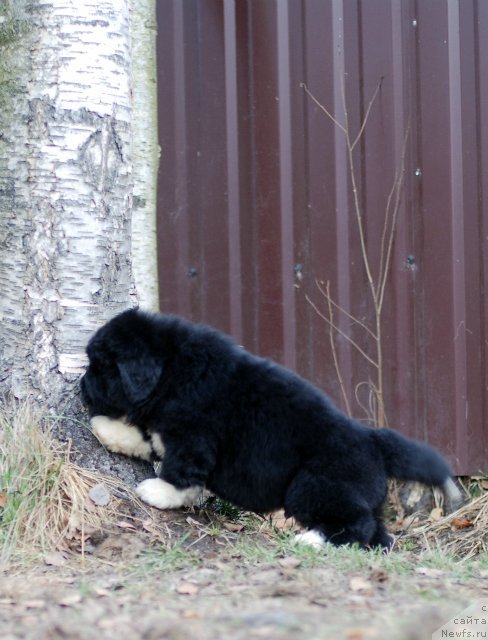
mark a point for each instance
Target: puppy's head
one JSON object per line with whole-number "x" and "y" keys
{"x": 124, "y": 368}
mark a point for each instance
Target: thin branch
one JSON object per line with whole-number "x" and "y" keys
{"x": 334, "y": 352}
{"x": 368, "y": 409}
{"x": 380, "y": 408}
{"x": 346, "y": 313}
{"x": 342, "y": 333}
{"x": 386, "y": 227}
{"x": 377, "y": 286}
{"x": 357, "y": 205}
{"x": 374, "y": 397}
{"x": 362, "y": 236}
{"x": 322, "y": 108}
{"x": 347, "y": 131}
{"x": 397, "y": 190}
{"x": 366, "y": 115}
{"x": 386, "y": 256}
{"x": 350, "y": 148}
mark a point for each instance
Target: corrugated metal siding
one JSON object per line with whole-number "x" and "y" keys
{"x": 255, "y": 200}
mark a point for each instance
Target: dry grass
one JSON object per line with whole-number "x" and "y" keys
{"x": 44, "y": 502}
{"x": 462, "y": 534}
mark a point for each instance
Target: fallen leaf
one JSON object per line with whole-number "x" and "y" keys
{"x": 279, "y": 521}
{"x": 3, "y": 500}
{"x": 461, "y": 523}
{"x": 484, "y": 484}
{"x": 189, "y": 614}
{"x": 429, "y": 572}
{"x": 55, "y": 559}
{"x": 358, "y": 583}
{"x": 401, "y": 524}
{"x": 123, "y": 524}
{"x": 34, "y": 604}
{"x": 70, "y": 600}
{"x": 6, "y": 601}
{"x": 100, "y": 495}
{"x": 234, "y": 527}
{"x": 436, "y": 514}
{"x": 89, "y": 505}
{"x": 379, "y": 575}
{"x": 150, "y": 526}
{"x": 187, "y": 589}
{"x": 289, "y": 562}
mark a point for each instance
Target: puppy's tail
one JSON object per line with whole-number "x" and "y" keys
{"x": 407, "y": 459}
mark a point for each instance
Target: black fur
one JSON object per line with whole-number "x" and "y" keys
{"x": 249, "y": 430}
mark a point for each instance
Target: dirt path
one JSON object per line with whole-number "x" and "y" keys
{"x": 216, "y": 583}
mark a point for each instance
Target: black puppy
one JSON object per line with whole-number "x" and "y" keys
{"x": 250, "y": 431}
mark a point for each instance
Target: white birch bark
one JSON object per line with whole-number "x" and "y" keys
{"x": 145, "y": 152}
{"x": 65, "y": 186}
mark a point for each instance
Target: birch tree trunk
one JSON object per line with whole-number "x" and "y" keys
{"x": 66, "y": 188}
{"x": 145, "y": 151}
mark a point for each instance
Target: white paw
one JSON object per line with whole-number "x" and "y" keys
{"x": 311, "y": 538}
{"x": 161, "y": 494}
{"x": 120, "y": 437}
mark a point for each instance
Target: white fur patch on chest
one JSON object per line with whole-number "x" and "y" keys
{"x": 162, "y": 495}
{"x": 120, "y": 437}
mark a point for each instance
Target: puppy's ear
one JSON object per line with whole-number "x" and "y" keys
{"x": 139, "y": 377}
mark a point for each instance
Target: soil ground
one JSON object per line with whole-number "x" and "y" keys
{"x": 199, "y": 576}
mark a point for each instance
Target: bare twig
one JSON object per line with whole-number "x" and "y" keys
{"x": 322, "y": 108}
{"x": 342, "y": 333}
{"x": 396, "y": 192}
{"x": 334, "y": 352}
{"x": 366, "y": 115}
{"x": 328, "y": 297}
{"x": 377, "y": 286}
{"x": 355, "y": 192}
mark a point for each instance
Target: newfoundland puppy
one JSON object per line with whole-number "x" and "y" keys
{"x": 244, "y": 428}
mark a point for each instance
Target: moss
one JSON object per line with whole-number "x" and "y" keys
{"x": 14, "y": 23}
{"x": 15, "y": 26}
{"x": 11, "y": 30}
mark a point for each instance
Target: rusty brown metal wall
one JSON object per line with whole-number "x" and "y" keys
{"x": 255, "y": 204}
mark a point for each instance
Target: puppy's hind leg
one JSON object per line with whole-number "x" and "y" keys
{"x": 328, "y": 509}
{"x": 381, "y": 537}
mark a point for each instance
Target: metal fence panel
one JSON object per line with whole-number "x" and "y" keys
{"x": 257, "y": 212}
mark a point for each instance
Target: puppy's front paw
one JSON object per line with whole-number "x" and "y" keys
{"x": 162, "y": 495}
{"x": 120, "y": 437}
